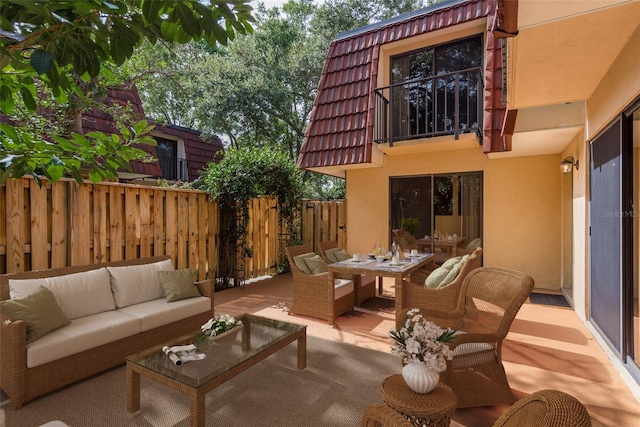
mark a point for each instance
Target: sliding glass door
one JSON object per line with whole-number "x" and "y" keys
{"x": 447, "y": 204}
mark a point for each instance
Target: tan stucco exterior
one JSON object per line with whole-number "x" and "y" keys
{"x": 521, "y": 210}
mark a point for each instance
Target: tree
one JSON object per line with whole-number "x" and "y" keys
{"x": 58, "y": 48}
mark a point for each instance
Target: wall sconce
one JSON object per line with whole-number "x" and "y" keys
{"x": 567, "y": 164}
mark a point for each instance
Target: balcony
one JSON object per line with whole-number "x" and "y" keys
{"x": 173, "y": 168}
{"x": 443, "y": 105}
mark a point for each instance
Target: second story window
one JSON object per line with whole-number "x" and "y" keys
{"x": 171, "y": 161}
{"x": 434, "y": 91}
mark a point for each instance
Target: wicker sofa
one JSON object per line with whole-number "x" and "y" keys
{"x": 97, "y": 339}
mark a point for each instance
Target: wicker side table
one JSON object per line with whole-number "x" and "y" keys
{"x": 432, "y": 409}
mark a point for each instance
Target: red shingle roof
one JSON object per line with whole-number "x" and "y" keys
{"x": 340, "y": 130}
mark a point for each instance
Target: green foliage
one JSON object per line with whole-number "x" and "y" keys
{"x": 240, "y": 176}
{"x": 53, "y": 53}
{"x": 410, "y": 225}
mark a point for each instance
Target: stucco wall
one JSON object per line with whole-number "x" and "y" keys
{"x": 619, "y": 87}
{"x": 522, "y": 207}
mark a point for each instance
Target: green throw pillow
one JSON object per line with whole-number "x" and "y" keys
{"x": 453, "y": 273}
{"x": 178, "y": 284}
{"x": 331, "y": 254}
{"x": 436, "y": 276}
{"x": 316, "y": 265}
{"x": 474, "y": 244}
{"x": 451, "y": 262}
{"x": 298, "y": 260}
{"x": 39, "y": 310}
{"x": 342, "y": 255}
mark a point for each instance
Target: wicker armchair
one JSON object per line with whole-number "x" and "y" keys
{"x": 416, "y": 295}
{"x": 313, "y": 295}
{"x": 544, "y": 408}
{"x": 489, "y": 301}
{"x": 364, "y": 286}
{"x": 404, "y": 239}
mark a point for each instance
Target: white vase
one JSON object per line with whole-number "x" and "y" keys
{"x": 420, "y": 377}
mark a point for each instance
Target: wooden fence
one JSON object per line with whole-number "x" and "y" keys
{"x": 323, "y": 221}
{"x": 64, "y": 224}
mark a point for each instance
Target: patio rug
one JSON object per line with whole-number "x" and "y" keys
{"x": 340, "y": 381}
{"x": 549, "y": 299}
{"x": 379, "y": 305}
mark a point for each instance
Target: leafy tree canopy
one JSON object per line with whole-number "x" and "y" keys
{"x": 55, "y": 48}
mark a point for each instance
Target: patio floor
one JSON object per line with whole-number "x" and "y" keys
{"x": 547, "y": 347}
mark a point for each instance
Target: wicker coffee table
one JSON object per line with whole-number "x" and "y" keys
{"x": 260, "y": 338}
{"x": 432, "y": 409}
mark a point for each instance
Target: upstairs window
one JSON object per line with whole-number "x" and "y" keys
{"x": 435, "y": 91}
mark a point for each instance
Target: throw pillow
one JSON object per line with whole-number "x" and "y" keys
{"x": 342, "y": 255}
{"x": 316, "y": 264}
{"x": 436, "y": 276}
{"x": 331, "y": 254}
{"x": 451, "y": 262}
{"x": 298, "y": 260}
{"x": 40, "y": 311}
{"x": 453, "y": 273}
{"x": 474, "y": 244}
{"x": 178, "y": 284}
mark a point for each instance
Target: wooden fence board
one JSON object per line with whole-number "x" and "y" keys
{"x": 183, "y": 230}
{"x": 171, "y": 237}
{"x": 15, "y": 228}
{"x": 145, "y": 218}
{"x": 100, "y": 225}
{"x": 130, "y": 230}
{"x": 192, "y": 227}
{"x": 158, "y": 222}
{"x": 80, "y": 224}
{"x": 116, "y": 223}
{"x": 59, "y": 224}
{"x": 203, "y": 227}
{"x": 39, "y": 231}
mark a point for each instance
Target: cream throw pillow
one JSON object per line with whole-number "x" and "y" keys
{"x": 39, "y": 310}
{"x": 178, "y": 284}
{"x": 134, "y": 284}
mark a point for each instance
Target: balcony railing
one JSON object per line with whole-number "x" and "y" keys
{"x": 446, "y": 104}
{"x": 173, "y": 168}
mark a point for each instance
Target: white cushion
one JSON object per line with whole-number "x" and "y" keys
{"x": 472, "y": 354}
{"x": 20, "y": 288}
{"x": 134, "y": 284}
{"x": 343, "y": 287}
{"x": 81, "y": 334}
{"x": 78, "y": 294}
{"x": 159, "y": 312}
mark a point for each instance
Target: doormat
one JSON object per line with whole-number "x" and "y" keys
{"x": 549, "y": 299}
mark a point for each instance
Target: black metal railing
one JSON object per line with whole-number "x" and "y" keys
{"x": 173, "y": 168}
{"x": 446, "y": 104}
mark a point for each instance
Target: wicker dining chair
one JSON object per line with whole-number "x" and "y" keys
{"x": 416, "y": 295}
{"x": 544, "y": 408}
{"x": 404, "y": 239}
{"x": 311, "y": 291}
{"x": 489, "y": 300}
{"x": 365, "y": 286}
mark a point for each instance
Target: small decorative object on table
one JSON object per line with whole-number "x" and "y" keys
{"x": 422, "y": 346}
{"x": 221, "y": 328}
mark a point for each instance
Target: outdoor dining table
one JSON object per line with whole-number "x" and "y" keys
{"x": 450, "y": 244}
{"x": 369, "y": 266}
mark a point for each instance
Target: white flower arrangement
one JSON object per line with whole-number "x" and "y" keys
{"x": 421, "y": 340}
{"x": 219, "y": 324}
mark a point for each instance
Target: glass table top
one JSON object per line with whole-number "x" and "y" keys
{"x": 257, "y": 334}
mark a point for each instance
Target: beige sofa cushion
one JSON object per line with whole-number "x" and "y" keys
{"x": 159, "y": 312}
{"x": 78, "y": 294}
{"x": 81, "y": 334}
{"x": 134, "y": 284}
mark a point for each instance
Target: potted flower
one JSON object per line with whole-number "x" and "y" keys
{"x": 422, "y": 345}
{"x": 221, "y": 325}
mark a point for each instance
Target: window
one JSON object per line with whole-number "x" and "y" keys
{"x": 172, "y": 163}
{"x": 435, "y": 91}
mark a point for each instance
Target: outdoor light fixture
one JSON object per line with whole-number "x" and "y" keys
{"x": 567, "y": 164}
